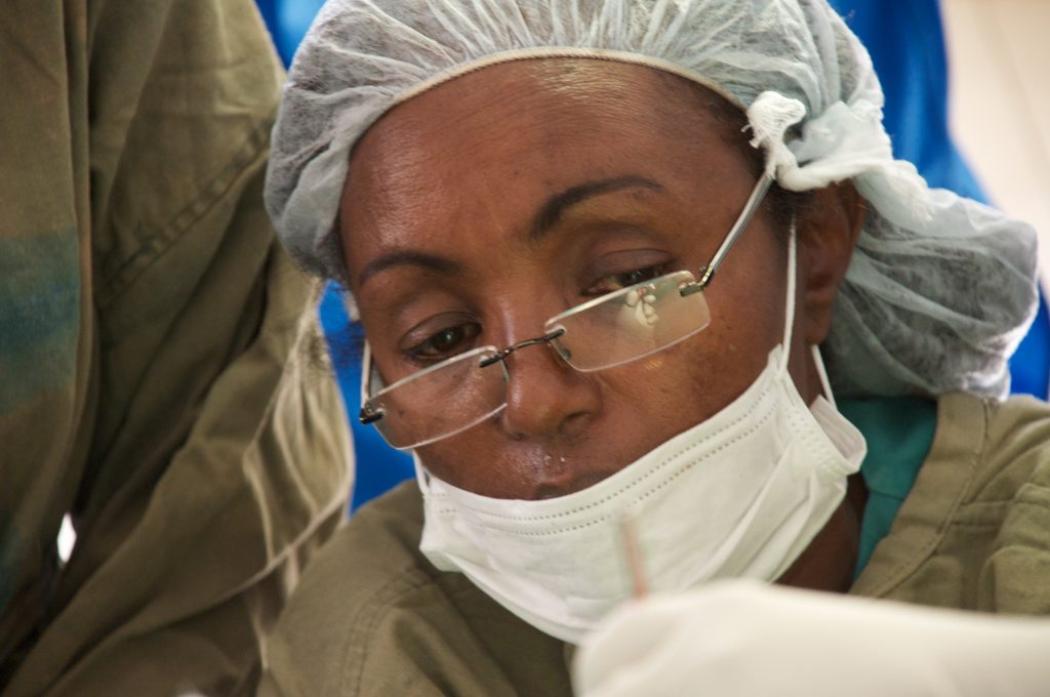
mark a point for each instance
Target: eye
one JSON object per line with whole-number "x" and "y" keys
{"x": 444, "y": 343}
{"x": 618, "y": 281}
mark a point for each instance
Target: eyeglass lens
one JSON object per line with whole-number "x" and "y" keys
{"x": 439, "y": 402}
{"x": 606, "y": 332}
{"x": 630, "y": 324}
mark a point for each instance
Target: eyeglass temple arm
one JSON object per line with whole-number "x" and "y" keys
{"x": 750, "y": 208}
{"x": 368, "y": 413}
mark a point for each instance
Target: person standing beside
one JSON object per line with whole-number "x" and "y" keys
{"x": 154, "y": 376}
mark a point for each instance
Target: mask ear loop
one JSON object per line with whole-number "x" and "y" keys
{"x": 789, "y": 302}
{"x": 789, "y": 319}
{"x": 818, "y": 360}
{"x": 422, "y": 476}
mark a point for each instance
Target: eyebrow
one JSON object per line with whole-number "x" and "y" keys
{"x": 409, "y": 257}
{"x": 543, "y": 222}
{"x": 556, "y": 205}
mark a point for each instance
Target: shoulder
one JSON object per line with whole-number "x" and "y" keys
{"x": 1007, "y": 512}
{"x": 974, "y": 532}
{"x": 1015, "y": 456}
{"x": 372, "y": 617}
{"x": 994, "y": 447}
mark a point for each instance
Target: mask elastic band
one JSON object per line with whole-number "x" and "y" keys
{"x": 422, "y": 476}
{"x": 818, "y": 360}
{"x": 789, "y": 318}
{"x": 789, "y": 303}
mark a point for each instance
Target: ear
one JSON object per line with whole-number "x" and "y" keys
{"x": 827, "y": 227}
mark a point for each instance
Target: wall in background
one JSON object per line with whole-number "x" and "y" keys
{"x": 999, "y": 52}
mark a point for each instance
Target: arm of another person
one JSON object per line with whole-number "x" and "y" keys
{"x": 209, "y": 457}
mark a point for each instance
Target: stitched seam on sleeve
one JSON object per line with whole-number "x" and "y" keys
{"x": 153, "y": 246}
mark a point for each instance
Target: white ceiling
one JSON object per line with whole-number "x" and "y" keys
{"x": 999, "y": 57}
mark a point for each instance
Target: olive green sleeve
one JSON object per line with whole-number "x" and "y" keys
{"x": 1015, "y": 575}
{"x": 156, "y": 373}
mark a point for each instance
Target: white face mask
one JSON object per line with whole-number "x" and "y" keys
{"x": 740, "y": 494}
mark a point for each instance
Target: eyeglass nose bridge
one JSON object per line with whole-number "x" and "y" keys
{"x": 502, "y": 355}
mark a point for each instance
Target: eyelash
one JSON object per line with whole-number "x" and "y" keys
{"x": 415, "y": 354}
{"x": 624, "y": 279}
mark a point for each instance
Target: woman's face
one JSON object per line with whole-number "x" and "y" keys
{"x": 479, "y": 209}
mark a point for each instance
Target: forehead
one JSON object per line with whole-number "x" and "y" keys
{"x": 495, "y": 143}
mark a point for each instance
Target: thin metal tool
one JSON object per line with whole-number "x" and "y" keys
{"x": 633, "y": 557}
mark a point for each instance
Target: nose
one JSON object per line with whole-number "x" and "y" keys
{"x": 547, "y": 399}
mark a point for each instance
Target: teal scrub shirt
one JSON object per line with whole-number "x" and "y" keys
{"x": 899, "y": 432}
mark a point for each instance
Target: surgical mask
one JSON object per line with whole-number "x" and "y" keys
{"x": 741, "y": 494}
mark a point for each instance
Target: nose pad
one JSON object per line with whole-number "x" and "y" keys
{"x": 561, "y": 350}
{"x": 546, "y": 398}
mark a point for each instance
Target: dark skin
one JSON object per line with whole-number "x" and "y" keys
{"x": 458, "y": 232}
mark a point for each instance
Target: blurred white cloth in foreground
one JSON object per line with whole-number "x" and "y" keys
{"x": 746, "y": 638}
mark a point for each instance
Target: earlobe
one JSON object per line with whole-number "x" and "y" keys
{"x": 828, "y": 229}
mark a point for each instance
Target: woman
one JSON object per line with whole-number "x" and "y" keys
{"x": 529, "y": 203}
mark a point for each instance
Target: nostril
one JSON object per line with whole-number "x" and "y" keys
{"x": 545, "y": 396}
{"x": 562, "y": 351}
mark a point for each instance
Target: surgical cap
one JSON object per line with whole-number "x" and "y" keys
{"x": 940, "y": 288}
